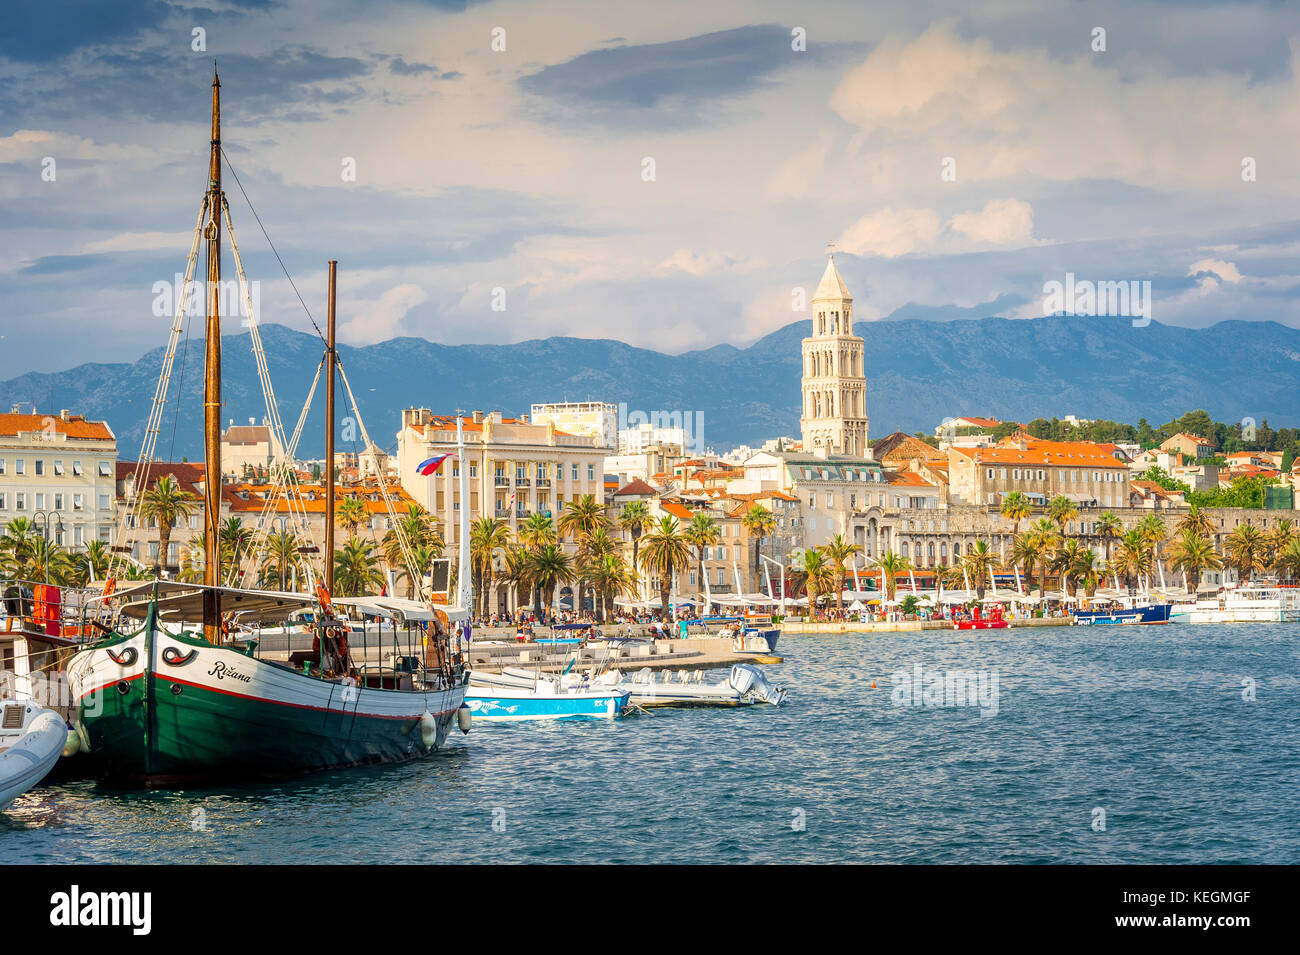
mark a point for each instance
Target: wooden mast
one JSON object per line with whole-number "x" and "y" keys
{"x": 212, "y": 385}
{"x": 331, "y": 360}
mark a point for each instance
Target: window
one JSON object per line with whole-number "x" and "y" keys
{"x": 1042, "y": 475}
{"x": 20, "y": 501}
{"x": 473, "y": 470}
{"x": 990, "y": 474}
{"x": 3, "y": 502}
{"x": 830, "y": 501}
{"x": 58, "y": 502}
{"x": 105, "y": 469}
{"x": 812, "y": 502}
{"x": 103, "y": 502}
{"x": 40, "y": 501}
{"x": 78, "y": 502}
{"x": 2, "y": 465}
{"x": 76, "y": 469}
{"x": 58, "y": 468}
{"x": 40, "y": 467}
{"x": 20, "y": 465}
{"x": 591, "y": 472}
{"x": 575, "y": 472}
{"x": 78, "y": 536}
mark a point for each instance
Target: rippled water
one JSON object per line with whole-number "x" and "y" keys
{"x": 1148, "y": 724}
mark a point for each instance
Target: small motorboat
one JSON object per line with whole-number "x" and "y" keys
{"x": 535, "y": 697}
{"x": 745, "y": 684}
{"x": 1119, "y": 615}
{"x": 977, "y": 621}
{"x": 31, "y": 741}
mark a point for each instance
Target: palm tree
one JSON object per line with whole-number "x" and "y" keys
{"x": 1016, "y": 507}
{"x": 980, "y": 561}
{"x": 760, "y": 522}
{"x": 166, "y": 502}
{"x": 350, "y": 513}
{"x": 1196, "y": 520}
{"x": 838, "y": 551}
{"x": 424, "y": 541}
{"x": 1073, "y": 562}
{"x": 635, "y": 518}
{"x": 1031, "y": 549}
{"x": 1281, "y": 538}
{"x": 579, "y": 519}
{"x": 1108, "y": 529}
{"x": 96, "y": 558}
{"x": 1193, "y": 552}
{"x": 611, "y": 578}
{"x": 1062, "y": 510}
{"x": 356, "y": 569}
{"x": 1132, "y": 557}
{"x": 1288, "y": 561}
{"x": 1154, "y": 531}
{"x": 422, "y": 559}
{"x": 233, "y": 537}
{"x": 549, "y": 567}
{"x": 893, "y": 565}
{"x": 517, "y": 571}
{"x": 487, "y": 535}
{"x": 666, "y": 551}
{"x": 278, "y": 558}
{"x": 536, "y": 532}
{"x": 15, "y": 547}
{"x": 1247, "y": 551}
{"x": 702, "y": 532}
{"x": 818, "y": 575}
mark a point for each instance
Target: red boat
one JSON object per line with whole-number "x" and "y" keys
{"x": 978, "y": 621}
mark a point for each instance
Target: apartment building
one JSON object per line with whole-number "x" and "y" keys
{"x": 57, "y": 471}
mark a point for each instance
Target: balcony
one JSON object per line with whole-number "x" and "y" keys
{"x": 501, "y": 480}
{"x": 543, "y": 483}
{"x": 522, "y": 482}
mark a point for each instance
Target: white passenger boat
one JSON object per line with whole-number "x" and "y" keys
{"x": 31, "y": 741}
{"x": 1251, "y": 604}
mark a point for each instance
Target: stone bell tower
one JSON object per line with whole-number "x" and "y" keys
{"x": 834, "y": 381}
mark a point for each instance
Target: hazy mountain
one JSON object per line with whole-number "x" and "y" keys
{"x": 917, "y": 372}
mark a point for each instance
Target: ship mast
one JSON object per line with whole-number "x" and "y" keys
{"x": 331, "y": 359}
{"x": 212, "y": 385}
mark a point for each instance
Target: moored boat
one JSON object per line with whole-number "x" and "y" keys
{"x": 1117, "y": 615}
{"x": 31, "y": 740}
{"x": 1250, "y": 604}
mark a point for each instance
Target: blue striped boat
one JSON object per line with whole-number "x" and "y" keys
{"x": 509, "y": 704}
{"x": 1150, "y": 613}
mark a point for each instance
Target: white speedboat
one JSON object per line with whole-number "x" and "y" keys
{"x": 1267, "y": 604}
{"x": 529, "y": 696}
{"x": 31, "y": 741}
{"x": 745, "y": 684}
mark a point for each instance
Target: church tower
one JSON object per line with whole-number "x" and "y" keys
{"x": 834, "y": 381}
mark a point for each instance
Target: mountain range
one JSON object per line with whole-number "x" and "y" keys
{"x": 917, "y": 372}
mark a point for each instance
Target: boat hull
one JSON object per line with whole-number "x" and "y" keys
{"x": 201, "y": 712}
{"x": 1155, "y": 613}
{"x": 32, "y": 752}
{"x": 506, "y": 705}
{"x": 980, "y": 625}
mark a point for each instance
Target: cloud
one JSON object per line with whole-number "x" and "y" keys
{"x": 383, "y": 319}
{"x": 1000, "y": 222}
{"x": 1223, "y": 271}
{"x": 892, "y": 232}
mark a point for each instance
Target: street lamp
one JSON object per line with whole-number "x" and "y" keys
{"x": 45, "y": 533}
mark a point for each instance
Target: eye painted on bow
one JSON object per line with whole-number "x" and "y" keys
{"x": 126, "y": 658}
{"x": 173, "y": 657}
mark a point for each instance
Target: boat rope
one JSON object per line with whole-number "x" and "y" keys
{"x": 408, "y": 555}
{"x": 262, "y": 528}
{"x": 231, "y": 167}
{"x": 130, "y": 516}
{"x": 283, "y": 468}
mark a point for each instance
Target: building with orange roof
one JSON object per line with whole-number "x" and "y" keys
{"x": 516, "y": 467}
{"x": 1091, "y": 475}
{"x": 1192, "y": 445}
{"x": 57, "y": 471}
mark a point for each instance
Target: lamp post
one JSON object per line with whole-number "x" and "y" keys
{"x": 45, "y": 516}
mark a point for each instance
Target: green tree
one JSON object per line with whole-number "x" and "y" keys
{"x": 665, "y": 551}
{"x": 759, "y": 522}
{"x": 166, "y": 502}
{"x": 838, "y": 551}
{"x": 702, "y": 532}
{"x": 1193, "y": 553}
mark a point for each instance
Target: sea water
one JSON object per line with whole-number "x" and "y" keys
{"x": 1167, "y": 744}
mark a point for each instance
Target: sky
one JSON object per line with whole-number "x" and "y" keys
{"x": 668, "y": 174}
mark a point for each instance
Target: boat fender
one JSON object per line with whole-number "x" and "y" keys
{"x": 463, "y": 718}
{"x": 83, "y": 735}
{"x": 428, "y": 729}
{"x": 72, "y": 745}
